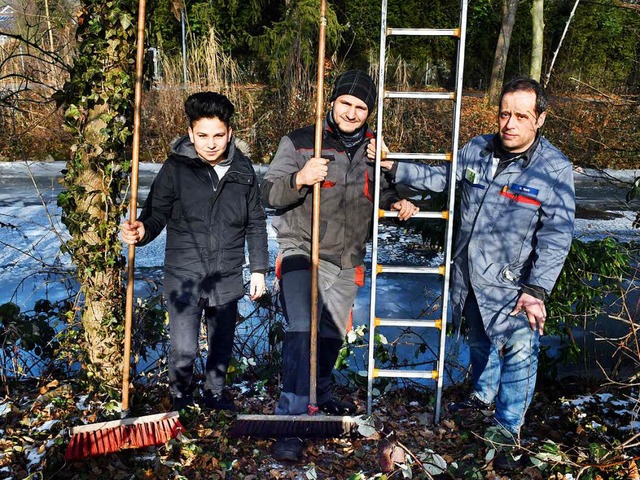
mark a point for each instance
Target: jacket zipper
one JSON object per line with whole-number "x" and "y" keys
{"x": 213, "y": 200}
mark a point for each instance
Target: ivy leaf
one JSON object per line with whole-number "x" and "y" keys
{"x": 126, "y": 20}
{"x": 73, "y": 112}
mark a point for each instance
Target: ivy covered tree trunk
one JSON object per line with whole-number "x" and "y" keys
{"x": 99, "y": 110}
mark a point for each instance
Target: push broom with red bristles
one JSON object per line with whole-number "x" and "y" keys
{"x": 313, "y": 425}
{"x": 139, "y": 432}
{"x": 128, "y": 433}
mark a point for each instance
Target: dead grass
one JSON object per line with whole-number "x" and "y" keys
{"x": 597, "y": 133}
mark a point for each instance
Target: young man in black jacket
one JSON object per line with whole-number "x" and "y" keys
{"x": 207, "y": 195}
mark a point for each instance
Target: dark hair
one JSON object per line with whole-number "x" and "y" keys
{"x": 208, "y": 105}
{"x": 524, "y": 84}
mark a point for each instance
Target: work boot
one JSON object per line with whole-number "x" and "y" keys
{"x": 471, "y": 403}
{"x": 288, "y": 448}
{"x": 507, "y": 461}
{"x": 217, "y": 401}
{"x": 508, "y": 453}
{"x": 333, "y": 406}
{"x": 181, "y": 402}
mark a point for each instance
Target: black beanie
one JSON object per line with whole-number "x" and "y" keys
{"x": 358, "y": 84}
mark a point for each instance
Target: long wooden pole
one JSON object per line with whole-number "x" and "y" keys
{"x": 133, "y": 207}
{"x": 315, "y": 230}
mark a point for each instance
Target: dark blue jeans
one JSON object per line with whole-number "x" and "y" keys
{"x": 506, "y": 375}
{"x": 184, "y": 331}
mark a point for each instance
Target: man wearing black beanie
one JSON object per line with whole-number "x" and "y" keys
{"x": 346, "y": 214}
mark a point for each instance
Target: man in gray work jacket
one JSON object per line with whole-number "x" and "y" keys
{"x": 346, "y": 214}
{"x": 517, "y": 215}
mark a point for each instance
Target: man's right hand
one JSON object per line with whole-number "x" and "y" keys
{"x": 132, "y": 232}
{"x": 371, "y": 154}
{"x": 314, "y": 171}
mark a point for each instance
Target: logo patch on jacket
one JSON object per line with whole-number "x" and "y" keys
{"x": 509, "y": 193}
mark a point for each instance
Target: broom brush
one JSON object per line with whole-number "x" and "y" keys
{"x": 116, "y": 435}
{"x": 109, "y": 437}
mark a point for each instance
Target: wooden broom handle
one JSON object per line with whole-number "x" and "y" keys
{"x": 315, "y": 230}
{"x": 133, "y": 207}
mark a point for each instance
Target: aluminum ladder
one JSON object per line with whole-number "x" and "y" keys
{"x": 458, "y": 34}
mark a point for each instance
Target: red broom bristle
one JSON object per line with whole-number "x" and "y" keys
{"x": 113, "y": 439}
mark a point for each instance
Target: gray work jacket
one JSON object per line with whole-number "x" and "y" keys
{"x": 515, "y": 229}
{"x": 346, "y": 199}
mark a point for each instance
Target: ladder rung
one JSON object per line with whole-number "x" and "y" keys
{"x": 425, "y": 95}
{"x": 425, "y": 32}
{"x": 394, "y": 214}
{"x": 432, "y": 374}
{"x": 418, "y": 156}
{"x": 408, "y": 322}
{"x": 409, "y": 269}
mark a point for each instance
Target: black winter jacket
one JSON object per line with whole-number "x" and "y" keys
{"x": 206, "y": 226}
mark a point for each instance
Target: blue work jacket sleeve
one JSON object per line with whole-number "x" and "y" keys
{"x": 555, "y": 232}
{"x": 157, "y": 208}
{"x": 423, "y": 177}
{"x": 279, "y": 183}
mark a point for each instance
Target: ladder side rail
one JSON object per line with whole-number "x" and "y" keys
{"x": 376, "y": 205}
{"x": 451, "y": 201}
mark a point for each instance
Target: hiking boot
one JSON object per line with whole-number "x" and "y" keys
{"x": 506, "y": 444}
{"x": 288, "y": 448}
{"x": 507, "y": 461}
{"x": 471, "y": 403}
{"x": 181, "y": 402}
{"x": 217, "y": 401}
{"x": 333, "y": 406}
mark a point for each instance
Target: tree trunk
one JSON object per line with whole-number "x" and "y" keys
{"x": 555, "y": 54}
{"x": 99, "y": 110}
{"x": 537, "y": 18}
{"x": 509, "y": 9}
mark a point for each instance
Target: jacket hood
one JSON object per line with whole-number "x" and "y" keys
{"x": 183, "y": 146}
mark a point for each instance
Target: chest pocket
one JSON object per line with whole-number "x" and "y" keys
{"x": 515, "y": 216}
{"x": 521, "y": 195}
{"x": 332, "y": 175}
{"x": 233, "y": 204}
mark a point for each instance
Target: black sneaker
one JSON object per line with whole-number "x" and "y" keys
{"x": 217, "y": 401}
{"x": 182, "y": 402}
{"x": 470, "y": 403}
{"x": 333, "y": 406}
{"x": 288, "y": 448}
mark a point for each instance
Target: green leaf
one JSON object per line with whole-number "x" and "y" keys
{"x": 125, "y": 21}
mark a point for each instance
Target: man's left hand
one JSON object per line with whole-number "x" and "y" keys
{"x": 405, "y": 209}
{"x": 257, "y": 286}
{"x": 534, "y": 309}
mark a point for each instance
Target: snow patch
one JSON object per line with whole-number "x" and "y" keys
{"x": 34, "y": 455}
{"x": 5, "y": 408}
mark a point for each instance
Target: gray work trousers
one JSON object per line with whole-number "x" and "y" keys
{"x": 337, "y": 291}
